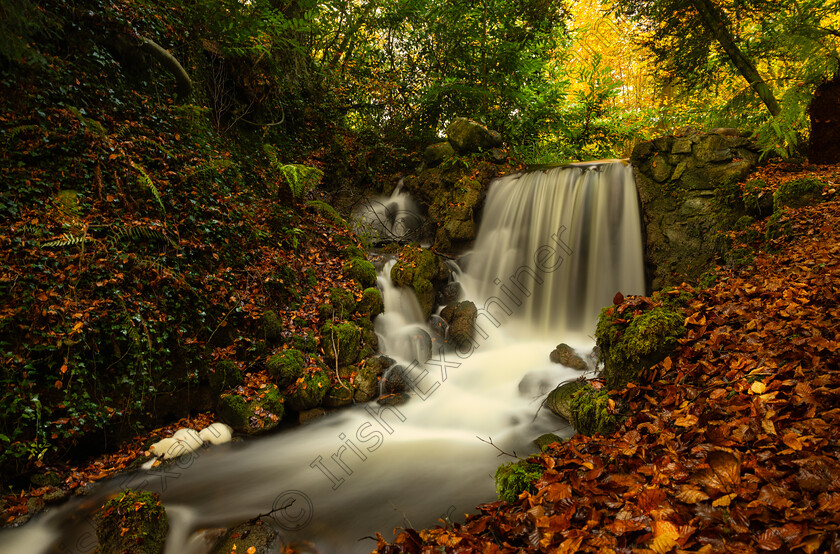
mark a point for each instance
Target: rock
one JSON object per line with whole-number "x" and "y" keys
{"x": 566, "y": 355}
{"x": 798, "y": 193}
{"x": 310, "y": 415}
{"x": 629, "y": 346}
{"x": 450, "y": 293}
{"x": 394, "y": 381}
{"x": 544, "y": 441}
{"x": 258, "y": 415}
{"x": 435, "y": 154}
{"x": 338, "y": 395}
{"x": 341, "y": 342}
{"x": 263, "y": 539}
{"x": 132, "y": 521}
{"x": 225, "y": 376}
{"x": 271, "y": 326}
{"x": 309, "y": 391}
{"x": 371, "y": 303}
{"x": 558, "y": 400}
{"x": 216, "y": 433}
{"x": 758, "y": 200}
{"x": 682, "y": 146}
{"x": 45, "y": 479}
{"x": 361, "y": 271}
{"x": 418, "y": 268}
{"x": 395, "y": 399}
{"x": 342, "y": 303}
{"x": 468, "y": 136}
{"x": 366, "y": 384}
{"x": 286, "y": 367}
{"x": 461, "y": 318}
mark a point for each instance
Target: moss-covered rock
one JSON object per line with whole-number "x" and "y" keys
{"x": 327, "y": 212}
{"x": 343, "y": 303}
{"x": 779, "y": 225}
{"x": 251, "y": 537}
{"x": 338, "y": 395}
{"x": 366, "y": 383}
{"x": 286, "y": 367}
{"x": 798, "y": 193}
{"x": 306, "y": 342}
{"x": 559, "y": 400}
{"x": 341, "y": 342}
{"x": 371, "y": 304}
{"x": 132, "y": 521}
{"x": 261, "y": 413}
{"x": 309, "y": 391}
{"x": 629, "y": 345}
{"x": 547, "y": 439}
{"x": 566, "y": 355}
{"x": 515, "y": 478}
{"x": 271, "y": 327}
{"x": 461, "y": 319}
{"x": 593, "y": 412}
{"x": 361, "y": 271}
{"x": 758, "y": 200}
{"x": 225, "y": 376}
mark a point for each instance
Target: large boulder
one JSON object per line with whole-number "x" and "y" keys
{"x": 423, "y": 271}
{"x": 566, "y": 355}
{"x": 252, "y": 416}
{"x": 132, "y": 521}
{"x": 461, "y": 318}
{"x": 467, "y": 136}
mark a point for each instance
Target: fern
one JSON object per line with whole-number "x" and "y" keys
{"x": 66, "y": 240}
{"x": 20, "y": 129}
{"x": 142, "y": 234}
{"x": 146, "y": 181}
{"x": 301, "y": 178}
{"x": 150, "y": 142}
{"x": 88, "y": 122}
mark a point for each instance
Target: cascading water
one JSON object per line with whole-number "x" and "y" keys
{"x": 553, "y": 248}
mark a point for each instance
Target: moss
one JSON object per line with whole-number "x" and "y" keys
{"x": 361, "y": 271}
{"x": 132, "y": 521}
{"x": 233, "y": 410}
{"x": 415, "y": 263}
{"x": 545, "y": 440}
{"x": 371, "y": 304}
{"x": 757, "y": 199}
{"x": 425, "y": 292}
{"x": 630, "y": 346}
{"x": 351, "y": 252}
{"x": 309, "y": 391}
{"x": 798, "y": 193}
{"x": 516, "y": 477}
{"x": 257, "y": 415}
{"x": 591, "y": 412}
{"x": 271, "y": 327}
{"x": 286, "y": 367}
{"x": 559, "y": 400}
{"x": 339, "y": 394}
{"x": 342, "y": 301}
{"x": 779, "y": 225}
{"x": 340, "y": 342}
{"x": 225, "y": 376}
{"x": 327, "y": 212}
{"x": 305, "y": 343}
{"x": 708, "y": 279}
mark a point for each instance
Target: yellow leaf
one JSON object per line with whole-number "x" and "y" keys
{"x": 688, "y": 421}
{"x": 251, "y": 550}
{"x": 724, "y": 500}
{"x": 758, "y": 387}
{"x": 78, "y": 326}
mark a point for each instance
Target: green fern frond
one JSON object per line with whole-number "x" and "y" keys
{"x": 89, "y": 122}
{"x": 300, "y": 178}
{"x": 124, "y": 131}
{"x": 271, "y": 152}
{"x": 146, "y": 181}
{"x": 212, "y": 165}
{"x": 66, "y": 240}
{"x": 150, "y": 142}
{"x": 15, "y": 131}
{"x": 143, "y": 234}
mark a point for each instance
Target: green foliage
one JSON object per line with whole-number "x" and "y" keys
{"x": 779, "y": 225}
{"x": 514, "y": 478}
{"x": 591, "y": 412}
{"x": 287, "y": 366}
{"x": 361, "y": 271}
{"x": 225, "y": 376}
{"x": 309, "y": 391}
{"x": 299, "y": 178}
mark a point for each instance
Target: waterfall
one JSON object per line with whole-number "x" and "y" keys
{"x": 553, "y": 248}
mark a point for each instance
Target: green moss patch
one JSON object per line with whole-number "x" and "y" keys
{"x": 309, "y": 391}
{"x": 798, "y": 193}
{"x": 286, "y": 367}
{"x": 132, "y": 521}
{"x": 516, "y": 477}
{"x": 341, "y": 342}
{"x": 592, "y": 412}
{"x": 361, "y": 271}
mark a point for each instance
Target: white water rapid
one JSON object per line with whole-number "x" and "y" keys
{"x": 553, "y": 248}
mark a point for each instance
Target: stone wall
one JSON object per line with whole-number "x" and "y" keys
{"x": 684, "y": 181}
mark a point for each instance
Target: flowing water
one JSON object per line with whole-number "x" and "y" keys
{"x": 553, "y": 248}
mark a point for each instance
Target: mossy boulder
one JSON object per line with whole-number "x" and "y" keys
{"x": 225, "y": 376}
{"x": 467, "y": 136}
{"x": 547, "y": 439}
{"x": 798, "y": 193}
{"x": 366, "y": 383}
{"x": 305, "y": 342}
{"x": 514, "y": 478}
{"x": 757, "y": 199}
{"x": 271, "y": 327}
{"x": 132, "y": 521}
{"x": 309, "y": 391}
{"x": 361, "y": 271}
{"x": 257, "y": 415}
{"x": 559, "y": 400}
{"x": 631, "y": 344}
{"x": 779, "y": 226}
{"x": 342, "y": 302}
{"x": 341, "y": 342}
{"x": 593, "y": 412}
{"x": 326, "y": 211}
{"x": 286, "y": 367}
{"x": 338, "y": 395}
{"x": 371, "y": 304}
{"x": 419, "y": 268}
{"x": 251, "y": 537}
{"x": 566, "y": 355}
{"x": 461, "y": 318}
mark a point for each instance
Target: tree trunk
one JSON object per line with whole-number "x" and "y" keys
{"x": 716, "y": 25}
{"x": 183, "y": 84}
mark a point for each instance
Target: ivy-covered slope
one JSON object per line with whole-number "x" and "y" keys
{"x": 146, "y": 227}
